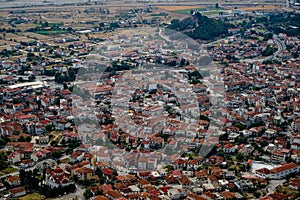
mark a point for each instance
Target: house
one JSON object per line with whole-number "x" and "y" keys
{"x": 84, "y": 173}
{"x": 113, "y": 195}
{"x": 296, "y": 156}
{"x": 14, "y": 157}
{"x": 100, "y": 197}
{"x": 280, "y": 155}
{"x": 2, "y": 187}
{"x": 229, "y": 148}
{"x": 17, "y": 192}
{"x": 193, "y": 196}
{"x": 26, "y": 163}
{"x": 228, "y": 195}
{"x": 294, "y": 183}
{"x": 174, "y": 193}
{"x": 13, "y": 180}
{"x": 41, "y": 155}
{"x": 77, "y": 156}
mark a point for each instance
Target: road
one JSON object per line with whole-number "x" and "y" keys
{"x": 281, "y": 47}
{"x": 273, "y": 184}
{"x": 163, "y": 36}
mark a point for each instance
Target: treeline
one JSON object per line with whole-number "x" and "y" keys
{"x": 200, "y": 27}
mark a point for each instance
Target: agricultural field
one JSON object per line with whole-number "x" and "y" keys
{"x": 51, "y": 32}
{"x": 176, "y": 8}
{"x": 258, "y": 8}
{"x": 187, "y": 9}
{"x": 213, "y": 12}
{"x": 16, "y": 38}
{"x": 37, "y": 36}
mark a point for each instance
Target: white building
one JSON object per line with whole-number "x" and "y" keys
{"x": 278, "y": 172}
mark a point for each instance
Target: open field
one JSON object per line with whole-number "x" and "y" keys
{"x": 175, "y": 8}
{"x": 16, "y": 37}
{"x": 187, "y": 11}
{"x": 33, "y": 196}
{"x": 38, "y": 36}
{"x": 258, "y": 8}
{"x": 9, "y": 170}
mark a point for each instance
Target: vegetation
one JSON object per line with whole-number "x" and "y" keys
{"x": 54, "y": 192}
{"x": 33, "y": 196}
{"x": 200, "y": 27}
{"x": 269, "y": 51}
{"x": 288, "y": 23}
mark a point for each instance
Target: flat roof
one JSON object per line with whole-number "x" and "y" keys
{"x": 20, "y": 85}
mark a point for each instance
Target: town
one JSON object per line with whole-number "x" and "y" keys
{"x": 150, "y": 101}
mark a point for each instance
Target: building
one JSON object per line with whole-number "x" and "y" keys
{"x": 56, "y": 178}
{"x": 17, "y": 192}
{"x": 13, "y": 180}
{"x": 278, "y": 172}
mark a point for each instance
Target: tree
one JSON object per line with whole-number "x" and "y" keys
{"x": 101, "y": 24}
{"x": 49, "y": 127}
{"x": 63, "y": 141}
{"x": 87, "y": 194}
{"x": 31, "y": 77}
{"x": 20, "y": 79}
{"x": 21, "y": 139}
{"x": 269, "y": 51}
{"x": 65, "y": 86}
{"x": 22, "y": 176}
{"x": 2, "y": 142}
{"x": 256, "y": 194}
{"x": 240, "y": 157}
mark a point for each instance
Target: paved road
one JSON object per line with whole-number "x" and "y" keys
{"x": 281, "y": 47}
{"x": 273, "y": 184}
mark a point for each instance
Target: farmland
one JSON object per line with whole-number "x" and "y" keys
{"x": 176, "y": 8}
{"x": 258, "y": 8}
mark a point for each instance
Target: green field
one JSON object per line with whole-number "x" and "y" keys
{"x": 51, "y": 32}
{"x": 213, "y": 12}
{"x": 10, "y": 170}
{"x": 209, "y": 10}
{"x": 187, "y": 11}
